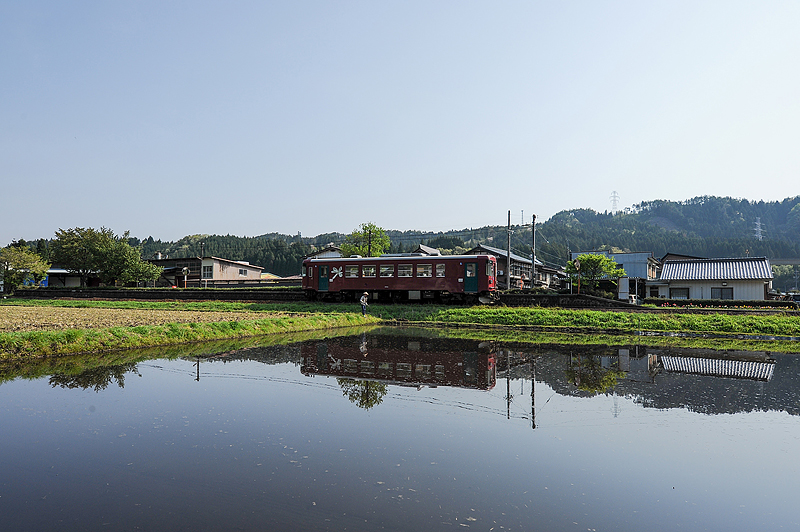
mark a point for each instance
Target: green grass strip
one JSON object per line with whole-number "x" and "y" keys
{"x": 72, "y": 341}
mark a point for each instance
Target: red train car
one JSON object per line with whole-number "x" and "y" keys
{"x": 404, "y": 277}
{"x": 387, "y": 360}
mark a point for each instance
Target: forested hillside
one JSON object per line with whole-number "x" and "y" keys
{"x": 704, "y": 227}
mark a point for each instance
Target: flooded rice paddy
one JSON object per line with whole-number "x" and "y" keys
{"x": 403, "y": 430}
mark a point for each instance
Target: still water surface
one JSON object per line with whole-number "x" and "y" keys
{"x": 394, "y": 431}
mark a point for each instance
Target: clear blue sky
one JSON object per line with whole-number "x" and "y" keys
{"x": 175, "y": 118}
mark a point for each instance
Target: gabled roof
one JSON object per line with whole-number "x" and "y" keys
{"x": 497, "y": 252}
{"x": 427, "y": 250}
{"x": 328, "y": 251}
{"x": 678, "y": 256}
{"x": 744, "y": 268}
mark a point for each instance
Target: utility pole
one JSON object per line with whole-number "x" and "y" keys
{"x": 533, "y": 252}
{"x": 508, "y": 256}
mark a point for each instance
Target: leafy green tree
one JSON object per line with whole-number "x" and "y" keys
{"x": 592, "y": 267}
{"x": 365, "y": 394}
{"x": 588, "y": 374}
{"x": 88, "y": 251}
{"x": 77, "y": 250}
{"x": 19, "y": 264}
{"x": 120, "y": 262}
{"x": 368, "y": 240}
{"x": 96, "y": 379}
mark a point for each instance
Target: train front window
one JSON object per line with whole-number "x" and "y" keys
{"x": 424, "y": 270}
{"x": 368, "y": 271}
{"x": 387, "y": 270}
{"x": 404, "y": 270}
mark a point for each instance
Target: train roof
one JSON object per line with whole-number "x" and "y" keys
{"x": 400, "y": 256}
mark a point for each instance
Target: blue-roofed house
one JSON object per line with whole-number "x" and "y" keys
{"x": 744, "y": 278}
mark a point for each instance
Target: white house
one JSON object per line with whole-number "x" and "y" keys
{"x": 745, "y": 278}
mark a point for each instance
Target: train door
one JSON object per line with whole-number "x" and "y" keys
{"x": 471, "y": 277}
{"x": 322, "y": 285}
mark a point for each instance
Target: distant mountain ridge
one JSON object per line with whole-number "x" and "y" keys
{"x": 705, "y": 226}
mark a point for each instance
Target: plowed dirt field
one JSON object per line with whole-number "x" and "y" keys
{"x": 13, "y": 318}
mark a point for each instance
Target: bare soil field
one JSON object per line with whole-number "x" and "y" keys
{"x": 16, "y": 319}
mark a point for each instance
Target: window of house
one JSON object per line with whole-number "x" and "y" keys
{"x": 440, "y": 270}
{"x": 208, "y": 272}
{"x": 424, "y": 270}
{"x": 387, "y": 270}
{"x": 679, "y": 293}
{"x": 403, "y": 270}
{"x": 242, "y": 272}
{"x": 722, "y": 293}
{"x": 368, "y": 271}
{"x": 351, "y": 271}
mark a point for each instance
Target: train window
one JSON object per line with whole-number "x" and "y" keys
{"x": 404, "y": 270}
{"x": 387, "y": 270}
{"x": 368, "y": 271}
{"x": 367, "y": 367}
{"x": 310, "y": 272}
{"x": 403, "y": 369}
{"x": 424, "y": 270}
{"x": 422, "y": 371}
{"x": 385, "y": 369}
{"x": 440, "y": 270}
{"x": 489, "y": 269}
{"x": 439, "y": 369}
{"x": 472, "y": 269}
{"x": 350, "y": 365}
{"x": 351, "y": 271}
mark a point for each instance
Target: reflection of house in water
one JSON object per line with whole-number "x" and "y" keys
{"x": 740, "y": 369}
{"x": 698, "y": 380}
{"x": 403, "y": 361}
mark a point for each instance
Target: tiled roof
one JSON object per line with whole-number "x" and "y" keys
{"x": 717, "y": 269}
{"x": 743, "y": 369}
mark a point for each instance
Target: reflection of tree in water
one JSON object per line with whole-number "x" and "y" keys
{"x": 365, "y": 394}
{"x": 96, "y": 378}
{"x": 587, "y": 373}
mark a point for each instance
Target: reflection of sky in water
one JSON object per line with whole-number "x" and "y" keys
{"x": 253, "y": 446}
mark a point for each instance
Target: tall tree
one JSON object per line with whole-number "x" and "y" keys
{"x": 88, "y": 251}
{"x": 592, "y": 267}
{"x": 19, "y": 264}
{"x": 368, "y": 240}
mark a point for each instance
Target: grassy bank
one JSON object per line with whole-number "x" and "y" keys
{"x": 72, "y": 341}
{"x": 34, "y": 368}
{"x": 254, "y": 319}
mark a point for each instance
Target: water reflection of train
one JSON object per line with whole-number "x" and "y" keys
{"x": 403, "y": 361}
